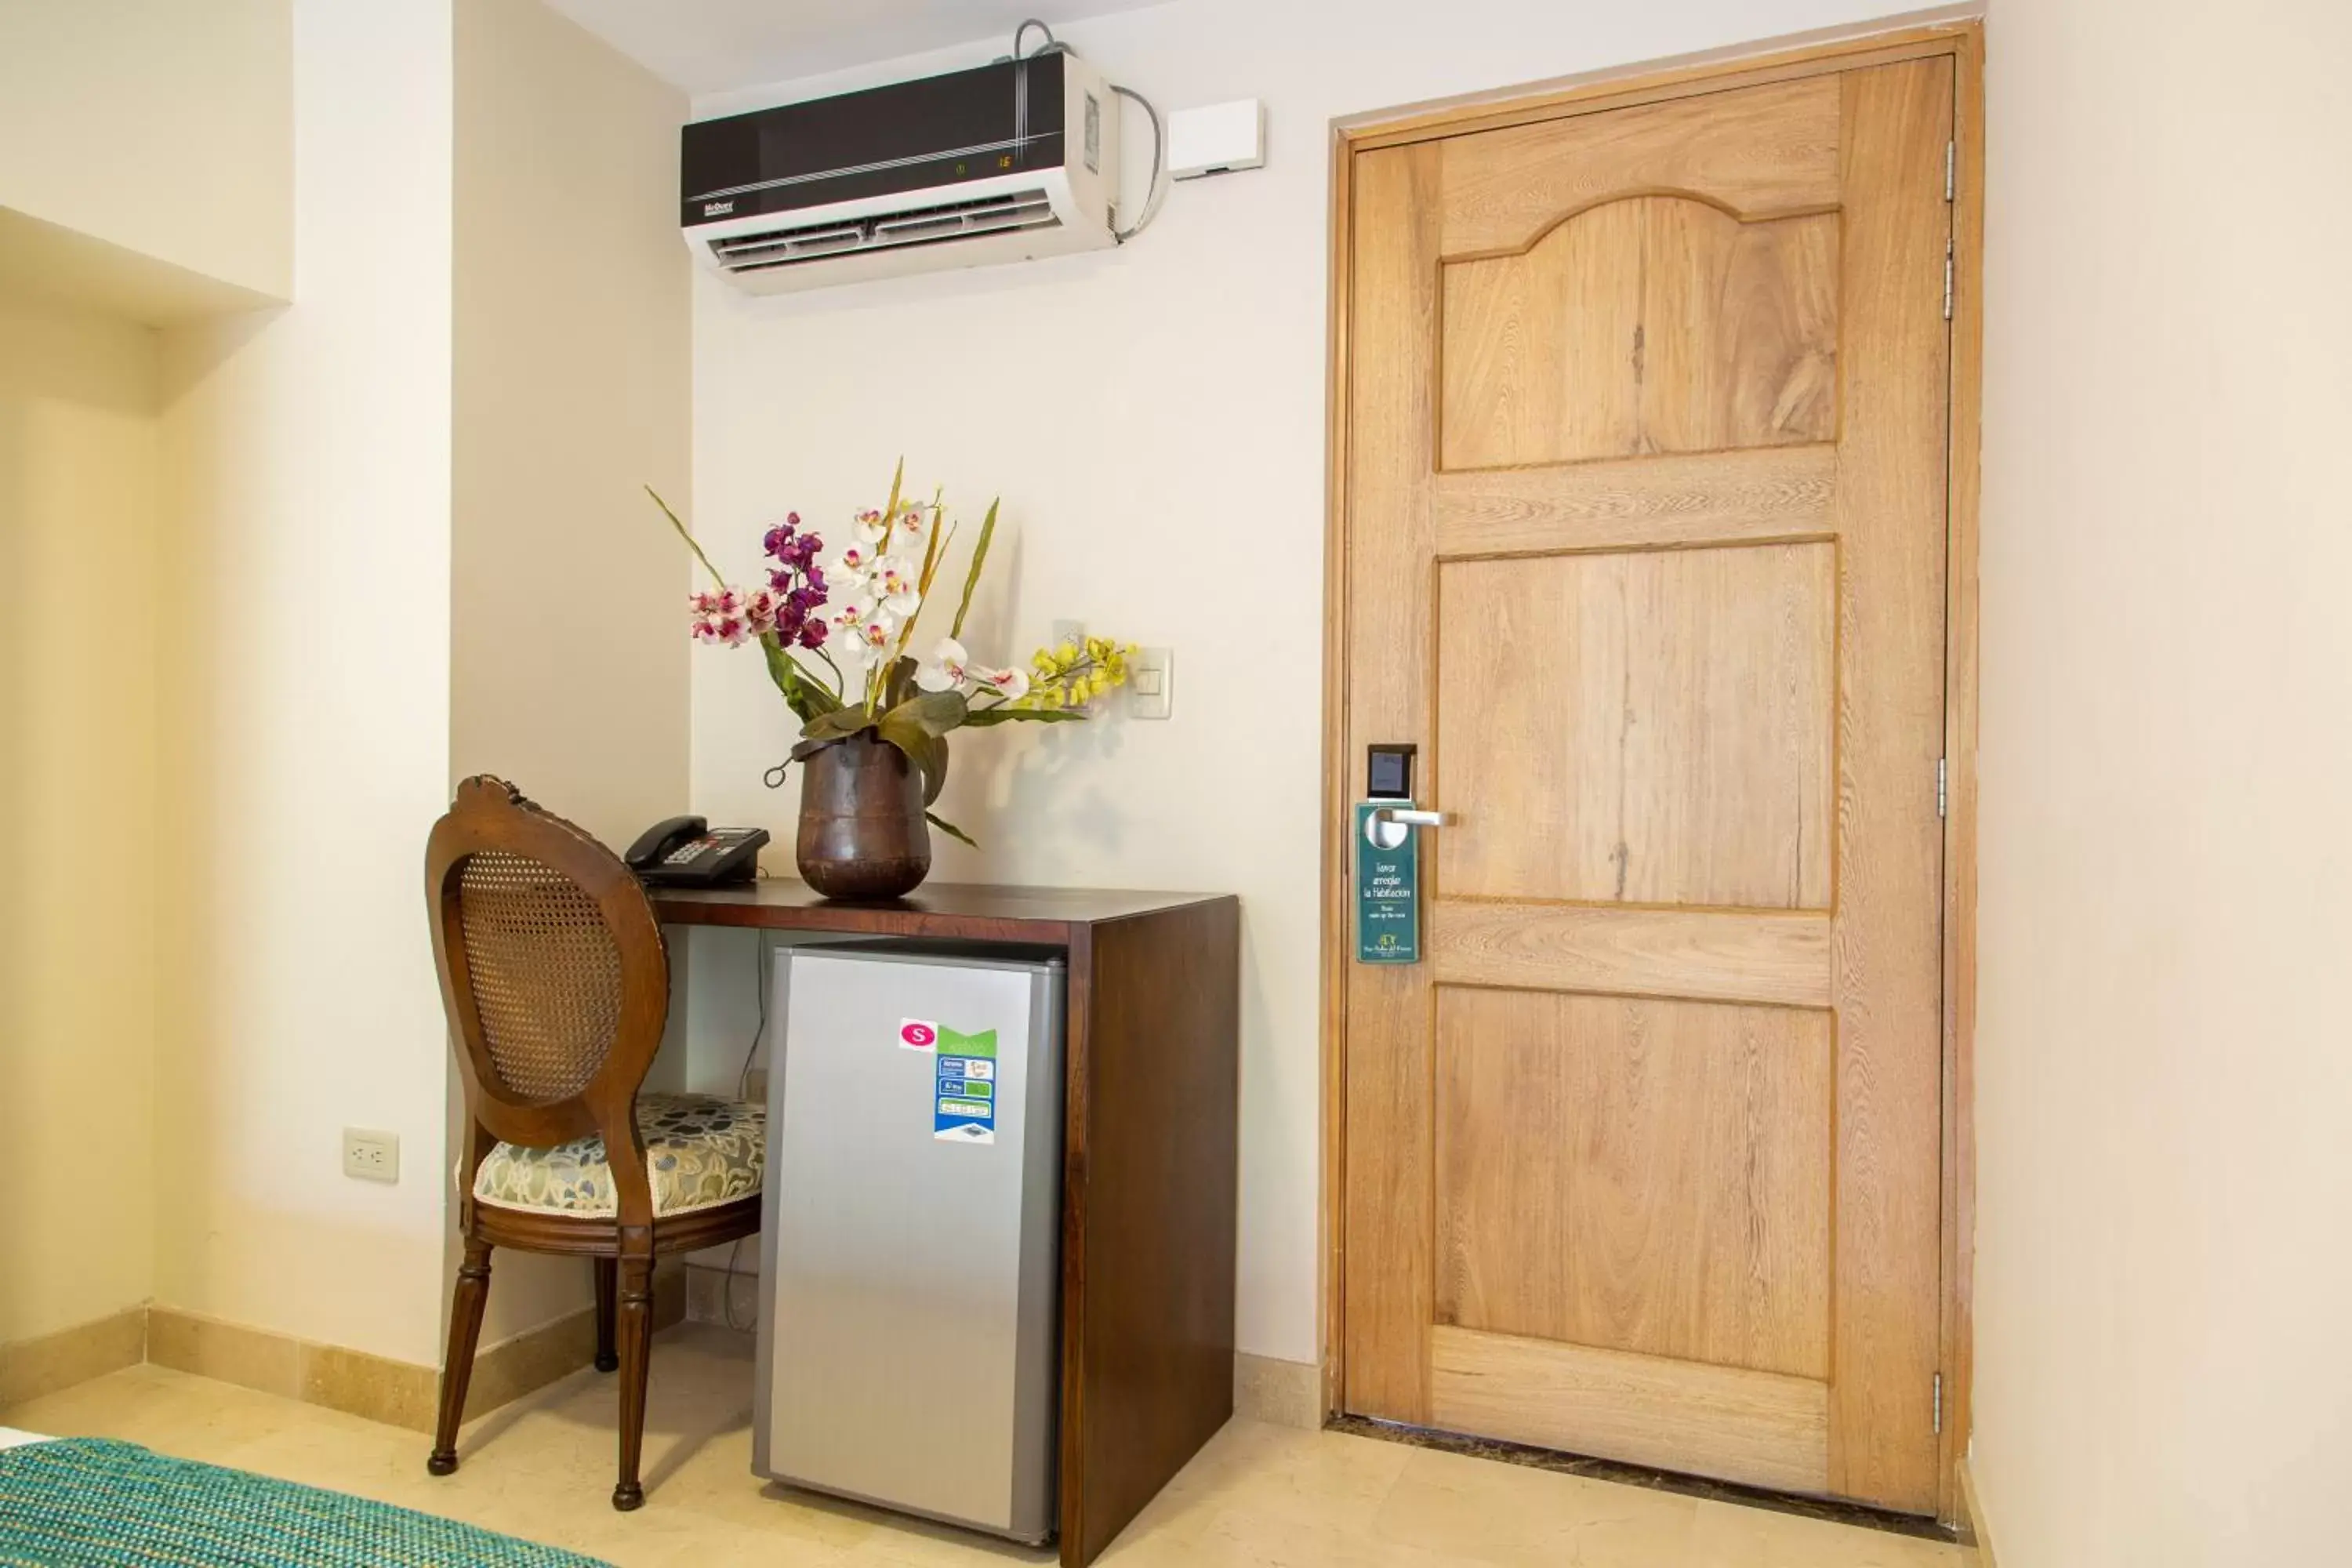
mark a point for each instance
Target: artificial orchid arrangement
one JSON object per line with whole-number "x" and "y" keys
{"x": 855, "y": 614}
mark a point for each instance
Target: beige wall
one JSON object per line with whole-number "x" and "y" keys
{"x": 159, "y": 126}
{"x": 2164, "y": 1078}
{"x": 1153, "y": 417}
{"x": 307, "y": 724}
{"x": 568, "y": 671}
{"x": 405, "y": 541}
{"x": 79, "y": 791}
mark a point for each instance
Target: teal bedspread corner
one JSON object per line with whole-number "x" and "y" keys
{"x": 89, "y": 1502}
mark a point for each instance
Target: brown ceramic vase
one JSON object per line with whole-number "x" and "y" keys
{"x": 862, "y": 831}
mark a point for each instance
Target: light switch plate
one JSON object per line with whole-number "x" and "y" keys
{"x": 1151, "y": 683}
{"x": 371, "y": 1156}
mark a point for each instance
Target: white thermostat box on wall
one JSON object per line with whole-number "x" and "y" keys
{"x": 1216, "y": 140}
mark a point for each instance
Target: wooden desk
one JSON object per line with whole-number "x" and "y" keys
{"x": 1151, "y": 1151}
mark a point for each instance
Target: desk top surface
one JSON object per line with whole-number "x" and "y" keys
{"x": 944, "y": 909}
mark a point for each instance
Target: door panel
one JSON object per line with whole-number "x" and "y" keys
{"x": 1646, "y": 418}
{"x": 1650, "y": 324}
{"x": 1636, "y": 1175}
{"x": 1676, "y": 748}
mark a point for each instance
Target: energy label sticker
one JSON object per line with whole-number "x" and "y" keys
{"x": 963, "y": 1087}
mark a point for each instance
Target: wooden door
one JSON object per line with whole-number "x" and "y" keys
{"x": 1645, "y": 467}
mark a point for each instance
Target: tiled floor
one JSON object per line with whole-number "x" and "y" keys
{"x": 1258, "y": 1497}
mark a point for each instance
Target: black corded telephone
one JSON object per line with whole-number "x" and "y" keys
{"x": 688, "y": 852}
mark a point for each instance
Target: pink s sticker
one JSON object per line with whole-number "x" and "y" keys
{"x": 916, "y": 1035}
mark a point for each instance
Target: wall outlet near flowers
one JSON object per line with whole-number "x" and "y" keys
{"x": 1150, "y": 682}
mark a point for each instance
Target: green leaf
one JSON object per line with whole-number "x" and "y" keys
{"x": 979, "y": 559}
{"x": 803, "y": 693}
{"x": 931, "y": 761}
{"x": 687, "y": 534}
{"x": 928, "y": 754}
{"x": 901, "y": 685}
{"x": 949, "y": 828}
{"x": 981, "y": 718}
{"x": 917, "y": 726}
{"x": 933, "y": 713}
{"x": 837, "y": 724}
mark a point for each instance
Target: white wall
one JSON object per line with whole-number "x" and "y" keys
{"x": 568, "y": 669}
{"x": 79, "y": 529}
{"x": 1154, "y": 420}
{"x": 2165, "y": 1075}
{"x": 159, "y": 126}
{"x": 307, "y": 736}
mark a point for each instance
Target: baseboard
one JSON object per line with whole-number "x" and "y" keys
{"x": 397, "y": 1393}
{"x": 379, "y": 1388}
{"x": 31, "y": 1368}
{"x": 1279, "y": 1393}
{"x": 1973, "y": 1529}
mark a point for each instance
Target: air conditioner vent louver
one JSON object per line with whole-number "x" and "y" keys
{"x": 929, "y": 224}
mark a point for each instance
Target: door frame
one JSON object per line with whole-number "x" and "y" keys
{"x": 1963, "y": 42}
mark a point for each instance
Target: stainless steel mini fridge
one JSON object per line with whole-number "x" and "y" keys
{"x": 907, "y": 1337}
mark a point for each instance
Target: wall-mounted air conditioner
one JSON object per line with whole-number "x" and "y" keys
{"x": 1007, "y": 162}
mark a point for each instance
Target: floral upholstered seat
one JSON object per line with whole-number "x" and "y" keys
{"x": 700, "y": 1150}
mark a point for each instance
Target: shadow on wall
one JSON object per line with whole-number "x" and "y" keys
{"x": 1059, "y": 774}
{"x": 188, "y": 877}
{"x": 17, "y": 1086}
{"x": 78, "y": 587}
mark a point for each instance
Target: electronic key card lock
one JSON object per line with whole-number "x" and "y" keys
{"x": 1388, "y": 859}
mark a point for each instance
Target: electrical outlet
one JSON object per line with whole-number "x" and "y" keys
{"x": 371, "y": 1156}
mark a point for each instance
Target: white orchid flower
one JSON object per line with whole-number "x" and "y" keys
{"x": 870, "y": 526}
{"x": 864, "y": 624}
{"x": 947, "y": 670}
{"x": 849, "y": 571}
{"x": 895, "y": 583}
{"x": 1010, "y": 684}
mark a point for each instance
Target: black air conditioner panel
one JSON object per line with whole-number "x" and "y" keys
{"x": 908, "y": 136}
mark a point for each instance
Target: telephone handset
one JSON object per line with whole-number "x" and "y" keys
{"x": 688, "y": 852}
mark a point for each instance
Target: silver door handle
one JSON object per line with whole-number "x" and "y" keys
{"x": 1385, "y": 828}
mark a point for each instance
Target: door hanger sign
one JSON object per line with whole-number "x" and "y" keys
{"x": 1387, "y": 892}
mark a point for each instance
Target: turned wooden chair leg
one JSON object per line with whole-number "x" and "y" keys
{"x": 635, "y": 1303}
{"x": 465, "y": 1327}
{"x": 607, "y": 1282}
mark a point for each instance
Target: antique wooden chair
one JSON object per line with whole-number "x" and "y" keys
{"x": 556, "y": 983}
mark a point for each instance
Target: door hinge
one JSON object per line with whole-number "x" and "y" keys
{"x": 1951, "y": 170}
{"x": 1947, "y": 279}
{"x": 1943, "y": 799}
{"x": 1939, "y": 1402}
